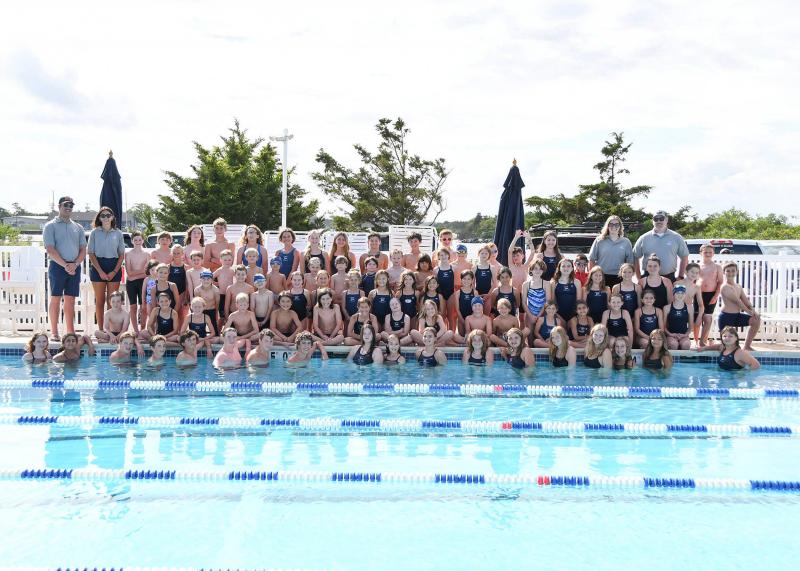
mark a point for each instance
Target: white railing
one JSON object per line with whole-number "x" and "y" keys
{"x": 772, "y": 283}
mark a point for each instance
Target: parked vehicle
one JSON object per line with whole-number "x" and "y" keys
{"x": 734, "y": 246}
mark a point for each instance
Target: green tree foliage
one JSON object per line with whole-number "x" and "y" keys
{"x": 8, "y": 234}
{"x": 145, "y": 217}
{"x": 4, "y": 212}
{"x": 595, "y": 202}
{"x": 391, "y": 186}
{"x": 735, "y": 223}
{"x": 238, "y": 180}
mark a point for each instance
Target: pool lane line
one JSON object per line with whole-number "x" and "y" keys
{"x": 407, "y": 478}
{"x": 325, "y": 424}
{"x": 436, "y": 389}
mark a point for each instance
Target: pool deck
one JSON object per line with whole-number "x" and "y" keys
{"x": 760, "y": 349}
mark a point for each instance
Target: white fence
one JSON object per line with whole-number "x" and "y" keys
{"x": 772, "y": 282}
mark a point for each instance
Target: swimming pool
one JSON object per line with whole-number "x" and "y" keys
{"x": 282, "y": 479}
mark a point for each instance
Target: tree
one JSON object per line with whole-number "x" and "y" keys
{"x": 735, "y": 223}
{"x": 4, "y": 213}
{"x": 238, "y": 180}
{"x": 145, "y": 217}
{"x": 8, "y": 234}
{"x": 391, "y": 186}
{"x": 595, "y": 202}
{"x": 19, "y": 210}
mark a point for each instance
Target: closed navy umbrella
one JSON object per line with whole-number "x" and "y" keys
{"x": 111, "y": 195}
{"x": 511, "y": 215}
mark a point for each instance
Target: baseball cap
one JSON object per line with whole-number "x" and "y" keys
{"x": 64, "y": 199}
{"x": 206, "y": 274}
{"x": 259, "y": 278}
{"x": 276, "y": 261}
{"x": 461, "y": 248}
{"x": 661, "y": 213}
{"x": 477, "y": 300}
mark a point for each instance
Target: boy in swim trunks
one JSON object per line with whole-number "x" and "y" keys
{"x": 244, "y": 321}
{"x": 276, "y": 281}
{"x": 478, "y": 320}
{"x": 210, "y": 294}
{"x": 117, "y": 320}
{"x": 694, "y": 298}
{"x": 461, "y": 263}
{"x": 135, "y": 273}
{"x": 284, "y": 322}
{"x": 164, "y": 251}
{"x": 193, "y": 273}
{"x": 228, "y": 357}
{"x": 223, "y": 277}
{"x": 711, "y": 280}
{"x": 122, "y": 354}
{"x": 374, "y": 251}
{"x": 410, "y": 259}
{"x": 238, "y": 286}
{"x": 261, "y": 301}
{"x": 737, "y": 311}
{"x": 213, "y": 250}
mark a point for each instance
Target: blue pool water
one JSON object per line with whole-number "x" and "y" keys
{"x": 318, "y": 525}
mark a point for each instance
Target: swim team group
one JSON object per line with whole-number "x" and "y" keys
{"x": 618, "y": 297}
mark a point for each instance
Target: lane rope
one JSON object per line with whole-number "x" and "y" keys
{"x": 518, "y": 427}
{"x": 297, "y": 476}
{"x": 439, "y": 389}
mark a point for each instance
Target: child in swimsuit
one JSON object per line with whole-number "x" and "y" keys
{"x": 260, "y": 355}
{"x": 36, "y": 349}
{"x": 116, "y": 322}
{"x": 430, "y": 318}
{"x": 430, "y": 355}
{"x": 580, "y": 326}
{"x": 504, "y": 322}
{"x": 545, "y": 324}
{"x": 517, "y": 354}
{"x": 477, "y": 350}
{"x": 284, "y": 322}
{"x": 536, "y": 292}
{"x": 188, "y": 355}
{"x": 562, "y": 354}
{"x": 566, "y": 290}
{"x": 228, "y": 357}
{"x": 199, "y": 322}
{"x": 393, "y": 355}
{"x": 647, "y": 319}
{"x": 327, "y": 322}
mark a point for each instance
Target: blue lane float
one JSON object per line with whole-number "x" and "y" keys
{"x": 409, "y": 389}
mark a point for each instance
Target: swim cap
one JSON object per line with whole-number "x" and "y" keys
{"x": 206, "y": 274}
{"x": 275, "y": 261}
{"x": 461, "y": 248}
{"x": 679, "y": 289}
{"x": 259, "y": 278}
{"x": 477, "y": 300}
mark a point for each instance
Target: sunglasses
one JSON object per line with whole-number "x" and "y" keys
{"x": 658, "y": 218}
{"x": 106, "y": 215}
{"x": 494, "y": 251}
{"x": 447, "y": 239}
{"x": 67, "y": 204}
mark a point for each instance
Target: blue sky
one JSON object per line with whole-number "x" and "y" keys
{"x": 708, "y": 93}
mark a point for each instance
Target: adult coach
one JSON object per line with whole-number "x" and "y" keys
{"x": 666, "y": 244}
{"x": 65, "y": 243}
{"x": 610, "y": 250}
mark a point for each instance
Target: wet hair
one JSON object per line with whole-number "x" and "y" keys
{"x": 653, "y": 258}
{"x": 374, "y": 342}
{"x": 126, "y": 335}
{"x": 266, "y": 333}
{"x": 414, "y": 236}
{"x": 303, "y": 336}
{"x": 485, "y": 338}
{"x": 225, "y": 331}
{"x": 32, "y": 340}
{"x": 516, "y": 331}
{"x": 592, "y": 349}
{"x": 554, "y": 350}
{"x": 284, "y": 294}
{"x": 240, "y": 268}
{"x": 118, "y": 294}
{"x": 649, "y": 350}
{"x": 156, "y": 338}
{"x": 186, "y": 335}
{"x": 626, "y": 359}
{"x": 164, "y": 295}
{"x": 732, "y": 330}
{"x": 69, "y": 336}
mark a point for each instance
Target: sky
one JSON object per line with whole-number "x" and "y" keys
{"x": 708, "y": 92}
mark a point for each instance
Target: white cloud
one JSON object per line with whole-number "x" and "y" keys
{"x": 707, "y": 92}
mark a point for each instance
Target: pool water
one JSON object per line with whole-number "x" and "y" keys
{"x": 320, "y": 525}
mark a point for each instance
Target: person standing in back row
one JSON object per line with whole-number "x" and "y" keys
{"x": 610, "y": 250}
{"x": 666, "y": 244}
{"x": 65, "y": 242}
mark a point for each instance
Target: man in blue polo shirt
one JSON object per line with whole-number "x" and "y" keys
{"x": 65, "y": 242}
{"x": 666, "y": 244}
